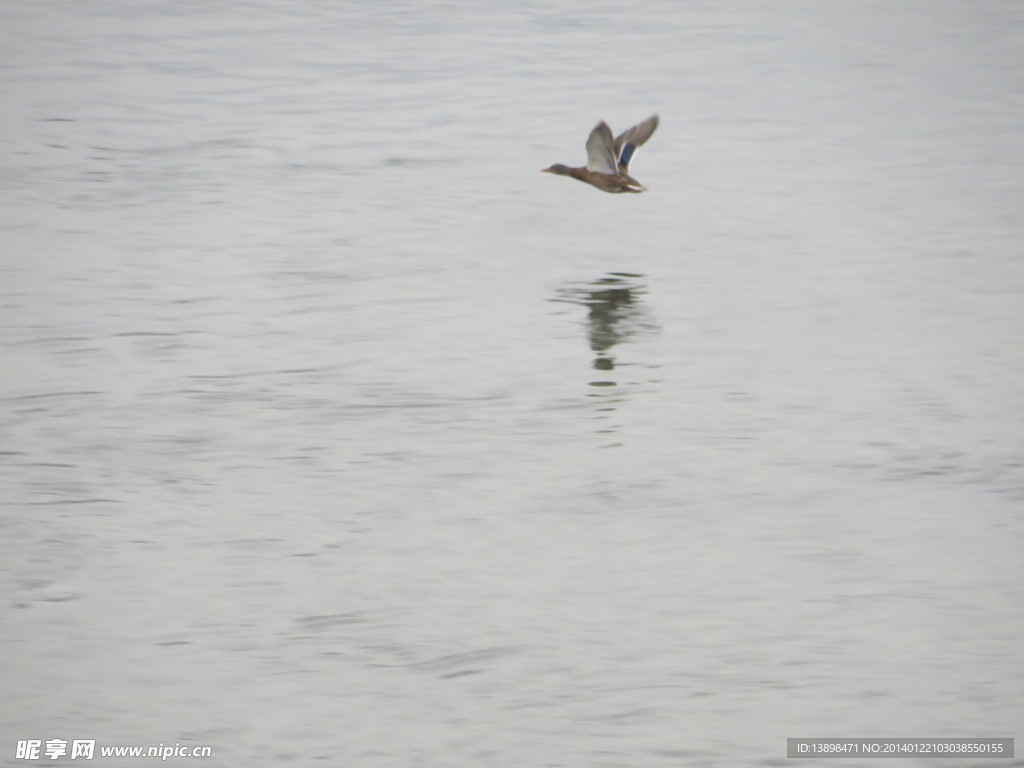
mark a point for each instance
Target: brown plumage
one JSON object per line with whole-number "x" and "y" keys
{"x": 608, "y": 159}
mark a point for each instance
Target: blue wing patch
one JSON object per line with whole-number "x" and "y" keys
{"x": 627, "y": 154}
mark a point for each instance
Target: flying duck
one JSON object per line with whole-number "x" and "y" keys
{"x": 608, "y": 159}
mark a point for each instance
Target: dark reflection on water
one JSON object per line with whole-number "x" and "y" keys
{"x": 616, "y": 314}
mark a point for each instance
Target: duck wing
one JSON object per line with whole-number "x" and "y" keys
{"x": 601, "y": 150}
{"x": 631, "y": 139}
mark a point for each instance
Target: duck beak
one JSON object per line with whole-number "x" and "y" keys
{"x": 545, "y": 170}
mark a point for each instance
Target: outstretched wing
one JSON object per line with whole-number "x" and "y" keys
{"x": 630, "y": 140}
{"x": 601, "y": 150}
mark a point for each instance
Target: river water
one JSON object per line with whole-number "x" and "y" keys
{"x": 334, "y": 433}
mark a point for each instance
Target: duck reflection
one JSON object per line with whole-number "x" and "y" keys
{"x": 615, "y": 314}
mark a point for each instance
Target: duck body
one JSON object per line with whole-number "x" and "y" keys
{"x": 608, "y": 159}
{"x": 606, "y": 182}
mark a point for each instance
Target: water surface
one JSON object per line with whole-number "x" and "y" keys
{"x": 334, "y": 431}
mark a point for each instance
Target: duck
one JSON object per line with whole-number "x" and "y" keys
{"x": 608, "y": 159}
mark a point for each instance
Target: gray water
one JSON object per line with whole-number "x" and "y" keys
{"x": 334, "y": 433}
